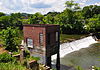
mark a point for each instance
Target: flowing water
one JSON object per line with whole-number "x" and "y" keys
{"x": 83, "y": 53}
{"x": 84, "y": 58}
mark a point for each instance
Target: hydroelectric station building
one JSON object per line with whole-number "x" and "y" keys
{"x": 43, "y": 41}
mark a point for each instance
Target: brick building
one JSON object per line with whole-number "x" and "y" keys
{"x": 43, "y": 41}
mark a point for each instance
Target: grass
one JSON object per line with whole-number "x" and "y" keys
{"x": 68, "y": 38}
{"x": 15, "y": 53}
{"x": 11, "y": 66}
{"x": 33, "y": 58}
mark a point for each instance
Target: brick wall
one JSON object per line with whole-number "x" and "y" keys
{"x": 33, "y": 33}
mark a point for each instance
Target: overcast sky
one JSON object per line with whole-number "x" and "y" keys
{"x": 43, "y": 6}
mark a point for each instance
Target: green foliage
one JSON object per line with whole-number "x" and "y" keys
{"x": 11, "y": 66}
{"x": 94, "y": 67}
{"x": 78, "y": 68}
{"x": 97, "y": 68}
{"x": 2, "y": 14}
{"x": 5, "y": 57}
{"x": 93, "y": 24}
{"x": 37, "y": 18}
{"x": 68, "y": 38}
{"x": 54, "y": 69}
{"x": 15, "y": 53}
{"x": 90, "y": 11}
{"x": 28, "y": 57}
{"x": 72, "y": 20}
{"x": 4, "y": 22}
{"x": 10, "y": 39}
{"x": 71, "y": 5}
{"x": 14, "y": 20}
{"x": 34, "y": 58}
{"x": 27, "y": 53}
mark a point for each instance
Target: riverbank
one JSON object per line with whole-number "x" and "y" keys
{"x": 68, "y": 38}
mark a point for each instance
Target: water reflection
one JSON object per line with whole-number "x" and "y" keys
{"x": 85, "y": 57}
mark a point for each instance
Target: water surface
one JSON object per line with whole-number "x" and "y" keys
{"x": 84, "y": 58}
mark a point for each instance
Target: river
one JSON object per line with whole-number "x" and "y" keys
{"x": 84, "y": 58}
{"x": 84, "y": 53}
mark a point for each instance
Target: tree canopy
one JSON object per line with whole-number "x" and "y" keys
{"x": 10, "y": 38}
{"x": 73, "y": 19}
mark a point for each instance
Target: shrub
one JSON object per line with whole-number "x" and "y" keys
{"x": 34, "y": 58}
{"x": 11, "y": 66}
{"x": 10, "y": 38}
{"x": 15, "y": 53}
{"x": 27, "y": 53}
{"x": 96, "y": 68}
{"x": 78, "y": 68}
{"x": 5, "y": 57}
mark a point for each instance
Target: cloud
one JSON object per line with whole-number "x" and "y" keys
{"x": 82, "y": 4}
{"x": 13, "y": 4}
{"x": 33, "y": 6}
{"x": 98, "y": 3}
{"x": 84, "y": 1}
{"x": 40, "y": 5}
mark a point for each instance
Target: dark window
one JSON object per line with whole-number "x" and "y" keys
{"x": 29, "y": 42}
{"x": 48, "y": 38}
{"x": 56, "y": 36}
{"x": 41, "y": 39}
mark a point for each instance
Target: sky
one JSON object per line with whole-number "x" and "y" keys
{"x": 42, "y": 6}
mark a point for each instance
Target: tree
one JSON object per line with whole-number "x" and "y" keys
{"x": 90, "y": 11}
{"x": 10, "y": 38}
{"x": 69, "y": 18}
{"x": 4, "y": 22}
{"x": 16, "y": 21}
{"x": 49, "y": 19}
{"x": 37, "y": 18}
{"x": 16, "y": 15}
{"x": 93, "y": 24}
{"x": 2, "y": 14}
{"x": 71, "y": 5}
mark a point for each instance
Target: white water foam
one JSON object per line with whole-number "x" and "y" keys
{"x": 76, "y": 45}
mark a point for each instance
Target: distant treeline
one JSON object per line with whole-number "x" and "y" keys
{"x": 73, "y": 20}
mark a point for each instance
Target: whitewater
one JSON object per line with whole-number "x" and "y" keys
{"x": 76, "y": 45}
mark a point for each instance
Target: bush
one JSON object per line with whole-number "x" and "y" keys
{"x": 78, "y": 68}
{"x": 10, "y": 38}
{"x": 11, "y": 66}
{"x": 27, "y": 53}
{"x": 5, "y": 57}
{"x": 96, "y": 68}
{"x": 34, "y": 58}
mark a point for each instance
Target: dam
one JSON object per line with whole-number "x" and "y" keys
{"x": 82, "y": 52}
{"x": 76, "y": 45}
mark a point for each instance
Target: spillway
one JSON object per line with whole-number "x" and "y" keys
{"x": 76, "y": 45}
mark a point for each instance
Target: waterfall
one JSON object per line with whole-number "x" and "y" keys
{"x": 69, "y": 47}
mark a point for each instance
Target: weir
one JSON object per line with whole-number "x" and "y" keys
{"x": 69, "y": 47}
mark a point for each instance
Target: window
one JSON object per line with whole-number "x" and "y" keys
{"x": 56, "y": 36}
{"x": 30, "y": 42}
{"x": 41, "y": 39}
{"x": 48, "y": 38}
